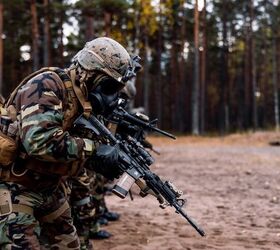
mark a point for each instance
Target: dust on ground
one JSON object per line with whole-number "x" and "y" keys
{"x": 232, "y": 185}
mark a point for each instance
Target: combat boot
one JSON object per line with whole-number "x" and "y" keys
{"x": 102, "y": 221}
{"x": 111, "y": 216}
{"x": 100, "y": 235}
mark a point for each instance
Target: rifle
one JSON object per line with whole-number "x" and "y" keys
{"x": 135, "y": 125}
{"x": 134, "y": 121}
{"x": 134, "y": 163}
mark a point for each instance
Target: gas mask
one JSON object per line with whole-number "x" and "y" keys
{"x": 104, "y": 96}
{"x": 105, "y": 91}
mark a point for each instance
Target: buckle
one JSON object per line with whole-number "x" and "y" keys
{"x": 5, "y": 202}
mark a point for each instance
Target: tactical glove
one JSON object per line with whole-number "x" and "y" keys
{"x": 106, "y": 161}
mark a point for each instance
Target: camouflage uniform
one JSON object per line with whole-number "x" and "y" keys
{"x": 85, "y": 198}
{"x": 82, "y": 205}
{"x": 88, "y": 204}
{"x": 41, "y": 106}
{"x": 33, "y": 187}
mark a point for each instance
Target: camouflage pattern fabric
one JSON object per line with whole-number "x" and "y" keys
{"x": 83, "y": 207}
{"x": 98, "y": 194}
{"x": 41, "y": 104}
{"x": 106, "y": 55}
{"x": 19, "y": 230}
{"x": 87, "y": 202}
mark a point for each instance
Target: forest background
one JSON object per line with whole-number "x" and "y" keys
{"x": 208, "y": 66}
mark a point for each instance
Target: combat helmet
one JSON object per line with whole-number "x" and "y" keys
{"x": 105, "y": 55}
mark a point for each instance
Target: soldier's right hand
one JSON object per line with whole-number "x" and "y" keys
{"x": 106, "y": 161}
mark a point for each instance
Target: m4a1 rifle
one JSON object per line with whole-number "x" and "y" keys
{"x": 134, "y": 164}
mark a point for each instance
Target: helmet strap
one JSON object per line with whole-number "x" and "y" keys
{"x": 81, "y": 93}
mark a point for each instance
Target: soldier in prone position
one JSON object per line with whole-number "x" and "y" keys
{"x": 35, "y": 166}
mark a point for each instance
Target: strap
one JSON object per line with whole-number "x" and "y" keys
{"x": 49, "y": 218}
{"x": 69, "y": 84}
{"x": 19, "y": 208}
{"x": 81, "y": 97}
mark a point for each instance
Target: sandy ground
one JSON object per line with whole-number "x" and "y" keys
{"x": 232, "y": 185}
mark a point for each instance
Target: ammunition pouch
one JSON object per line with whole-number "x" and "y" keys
{"x": 8, "y": 135}
{"x": 8, "y": 149}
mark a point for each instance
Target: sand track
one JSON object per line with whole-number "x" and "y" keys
{"x": 233, "y": 189}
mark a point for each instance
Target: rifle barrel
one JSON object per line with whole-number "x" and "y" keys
{"x": 146, "y": 125}
{"x": 164, "y": 133}
{"x": 193, "y": 224}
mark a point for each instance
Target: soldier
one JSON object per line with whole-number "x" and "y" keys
{"x": 88, "y": 203}
{"x": 39, "y": 117}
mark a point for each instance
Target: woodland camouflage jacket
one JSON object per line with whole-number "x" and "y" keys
{"x": 43, "y": 105}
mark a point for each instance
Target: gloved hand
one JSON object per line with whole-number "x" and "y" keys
{"x": 105, "y": 161}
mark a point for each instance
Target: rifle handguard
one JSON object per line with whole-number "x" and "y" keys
{"x": 123, "y": 185}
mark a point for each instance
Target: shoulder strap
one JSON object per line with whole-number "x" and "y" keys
{"x": 69, "y": 84}
{"x": 87, "y": 108}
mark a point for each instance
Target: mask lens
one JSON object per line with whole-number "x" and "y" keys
{"x": 109, "y": 86}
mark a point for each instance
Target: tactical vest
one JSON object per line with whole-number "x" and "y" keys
{"x": 9, "y": 145}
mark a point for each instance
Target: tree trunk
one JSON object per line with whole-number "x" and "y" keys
{"x": 253, "y": 69}
{"x": 275, "y": 87}
{"x": 146, "y": 75}
{"x": 159, "y": 91}
{"x": 89, "y": 28}
{"x": 107, "y": 21}
{"x": 183, "y": 94}
{"x": 203, "y": 71}
{"x": 247, "y": 80}
{"x": 195, "y": 88}
{"x": 35, "y": 36}
{"x": 61, "y": 45}
{"x": 175, "y": 61}
{"x": 223, "y": 106}
{"x": 47, "y": 38}
{"x": 1, "y": 47}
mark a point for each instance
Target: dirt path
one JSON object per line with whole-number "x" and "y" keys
{"x": 233, "y": 190}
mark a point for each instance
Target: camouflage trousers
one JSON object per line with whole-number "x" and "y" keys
{"x": 83, "y": 207}
{"x": 87, "y": 201}
{"x": 97, "y": 189}
{"x": 51, "y": 213}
